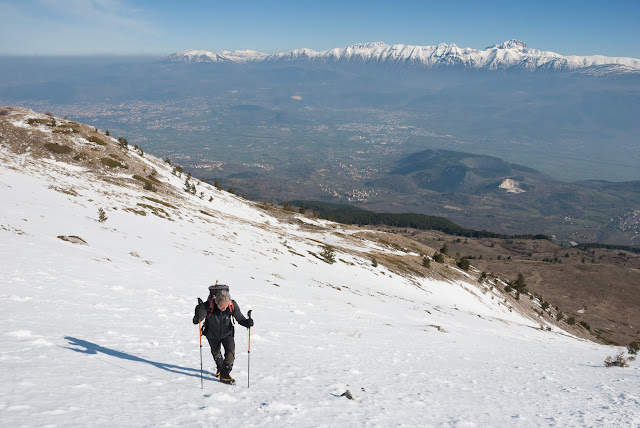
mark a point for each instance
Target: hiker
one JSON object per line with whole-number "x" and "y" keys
{"x": 218, "y": 327}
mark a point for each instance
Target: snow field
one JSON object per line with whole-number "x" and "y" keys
{"x": 101, "y": 334}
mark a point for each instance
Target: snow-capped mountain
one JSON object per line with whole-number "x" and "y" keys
{"x": 512, "y": 54}
{"x": 105, "y": 249}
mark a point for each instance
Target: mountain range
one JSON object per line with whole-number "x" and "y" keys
{"x": 512, "y": 54}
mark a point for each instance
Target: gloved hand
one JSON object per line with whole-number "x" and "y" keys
{"x": 200, "y": 311}
{"x": 248, "y": 323}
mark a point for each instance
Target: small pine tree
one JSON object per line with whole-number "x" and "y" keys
{"x": 444, "y": 249}
{"x": 107, "y": 133}
{"x": 633, "y": 348}
{"x": 102, "y": 216}
{"x": 303, "y": 210}
{"x": 426, "y": 262}
{"x": 374, "y": 262}
{"x": 328, "y": 254}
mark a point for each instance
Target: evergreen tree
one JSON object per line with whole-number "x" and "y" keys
{"x": 102, "y": 216}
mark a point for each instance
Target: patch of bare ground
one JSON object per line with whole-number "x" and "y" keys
{"x": 599, "y": 289}
{"x": 43, "y": 136}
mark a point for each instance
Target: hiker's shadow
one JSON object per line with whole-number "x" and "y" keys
{"x": 85, "y": 347}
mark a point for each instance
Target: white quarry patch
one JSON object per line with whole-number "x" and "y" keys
{"x": 511, "y": 186}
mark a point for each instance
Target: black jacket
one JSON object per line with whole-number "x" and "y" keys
{"x": 218, "y": 324}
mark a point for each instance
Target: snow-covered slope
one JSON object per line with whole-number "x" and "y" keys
{"x": 513, "y": 54}
{"x": 96, "y": 316}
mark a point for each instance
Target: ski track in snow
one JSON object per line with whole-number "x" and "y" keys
{"x": 101, "y": 335}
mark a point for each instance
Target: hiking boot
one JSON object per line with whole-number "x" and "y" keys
{"x": 225, "y": 376}
{"x": 227, "y": 379}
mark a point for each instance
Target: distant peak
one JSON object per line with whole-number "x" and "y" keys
{"x": 368, "y": 45}
{"x": 511, "y": 44}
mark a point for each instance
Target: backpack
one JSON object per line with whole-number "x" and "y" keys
{"x": 218, "y": 287}
{"x": 213, "y": 289}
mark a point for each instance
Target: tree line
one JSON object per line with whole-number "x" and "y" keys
{"x": 348, "y": 214}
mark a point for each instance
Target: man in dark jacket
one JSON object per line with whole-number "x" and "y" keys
{"x": 217, "y": 312}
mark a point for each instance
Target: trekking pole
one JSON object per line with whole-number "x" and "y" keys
{"x": 201, "y": 380}
{"x": 249, "y": 352}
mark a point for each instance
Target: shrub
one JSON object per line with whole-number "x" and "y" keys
{"x": 444, "y": 249}
{"x": 618, "y": 361}
{"x": 585, "y": 325}
{"x": 464, "y": 264}
{"x": 438, "y": 257}
{"x": 4, "y": 112}
{"x": 57, "y": 148}
{"x": 426, "y": 262}
{"x": 633, "y": 348}
{"x": 571, "y": 320}
{"x": 559, "y": 316}
{"x": 508, "y": 289}
{"x": 96, "y": 140}
{"x": 112, "y": 163}
{"x": 34, "y": 121}
{"x": 374, "y": 262}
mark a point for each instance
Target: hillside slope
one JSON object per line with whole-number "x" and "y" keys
{"x": 97, "y": 328}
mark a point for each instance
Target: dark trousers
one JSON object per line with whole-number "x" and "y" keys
{"x": 229, "y": 350}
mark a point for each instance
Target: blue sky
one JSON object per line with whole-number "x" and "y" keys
{"x": 63, "y": 27}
